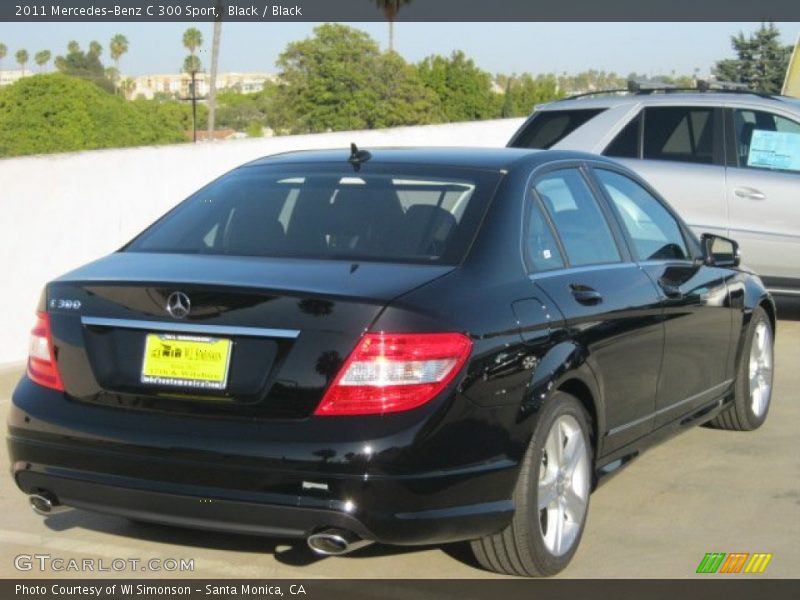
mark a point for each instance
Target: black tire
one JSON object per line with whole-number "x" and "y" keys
{"x": 521, "y": 548}
{"x": 741, "y": 416}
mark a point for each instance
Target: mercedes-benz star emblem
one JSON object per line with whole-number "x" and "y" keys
{"x": 178, "y": 305}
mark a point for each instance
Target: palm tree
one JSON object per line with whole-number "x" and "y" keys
{"x": 127, "y": 86}
{"x": 95, "y": 49}
{"x": 22, "y": 58}
{"x": 390, "y": 10}
{"x": 42, "y": 58}
{"x": 192, "y": 40}
{"x": 192, "y": 66}
{"x": 118, "y": 46}
{"x": 212, "y": 82}
{"x": 73, "y": 47}
{"x": 3, "y": 52}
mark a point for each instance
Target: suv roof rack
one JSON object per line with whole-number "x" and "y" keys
{"x": 642, "y": 87}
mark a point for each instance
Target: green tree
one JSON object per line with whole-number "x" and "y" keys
{"x": 526, "y": 91}
{"x": 327, "y": 82}
{"x": 42, "y": 58}
{"x": 761, "y": 60}
{"x": 56, "y": 113}
{"x": 464, "y": 91}
{"x": 390, "y": 9}
{"x": 192, "y": 40}
{"x": 339, "y": 79}
{"x": 127, "y": 86}
{"x": 22, "y": 59}
{"x": 402, "y": 97}
{"x": 238, "y": 111}
{"x": 84, "y": 65}
{"x": 95, "y": 49}
{"x": 255, "y": 129}
{"x": 118, "y": 46}
{"x": 192, "y": 65}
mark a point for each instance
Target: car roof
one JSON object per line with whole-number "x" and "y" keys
{"x": 488, "y": 159}
{"x": 601, "y": 101}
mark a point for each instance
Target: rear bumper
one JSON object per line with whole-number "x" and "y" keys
{"x": 88, "y": 458}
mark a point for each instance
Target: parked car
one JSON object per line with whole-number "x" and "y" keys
{"x": 412, "y": 346}
{"x": 727, "y": 160}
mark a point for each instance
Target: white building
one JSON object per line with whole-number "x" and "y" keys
{"x": 177, "y": 84}
{"x": 7, "y": 77}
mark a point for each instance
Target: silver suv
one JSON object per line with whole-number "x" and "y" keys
{"x": 728, "y": 161}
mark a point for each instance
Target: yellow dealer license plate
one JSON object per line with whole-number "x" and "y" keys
{"x": 186, "y": 361}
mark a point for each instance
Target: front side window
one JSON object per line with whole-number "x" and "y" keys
{"x": 766, "y": 141}
{"x": 578, "y": 218}
{"x": 654, "y": 231}
{"x": 548, "y": 127}
{"x": 327, "y": 213}
{"x": 677, "y": 133}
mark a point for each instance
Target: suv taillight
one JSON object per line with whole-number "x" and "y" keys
{"x": 393, "y": 372}
{"x": 42, "y": 367}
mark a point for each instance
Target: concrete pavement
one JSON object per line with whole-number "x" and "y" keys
{"x": 704, "y": 491}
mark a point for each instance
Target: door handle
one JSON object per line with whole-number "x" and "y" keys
{"x": 585, "y": 294}
{"x": 749, "y": 193}
{"x": 670, "y": 290}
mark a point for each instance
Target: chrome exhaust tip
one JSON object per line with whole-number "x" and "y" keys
{"x": 45, "y": 504}
{"x": 335, "y": 542}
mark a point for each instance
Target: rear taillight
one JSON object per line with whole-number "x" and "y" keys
{"x": 42, "y": 366}
{"x": 393, "y": 372}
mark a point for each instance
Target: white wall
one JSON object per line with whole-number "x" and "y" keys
{"x": 60, "y": 211}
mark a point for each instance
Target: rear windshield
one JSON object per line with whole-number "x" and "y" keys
{"x": 420, "y": 215}
{"x": 548, "y": 127}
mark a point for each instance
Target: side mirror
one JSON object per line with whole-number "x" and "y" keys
{"x": 719, "y": 251}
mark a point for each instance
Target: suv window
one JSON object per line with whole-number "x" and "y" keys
{"x": 679, "y": 133}
{"x": 548, "y": 127}
{"x": 579, "y": 221}
{"x": 423, "y": 215}
{"x": 654, "y": 231}
{"x": 766, "y": 141}
{"x": 626, "y": 144}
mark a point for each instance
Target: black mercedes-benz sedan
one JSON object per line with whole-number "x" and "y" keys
{"x": 407, "y": 346}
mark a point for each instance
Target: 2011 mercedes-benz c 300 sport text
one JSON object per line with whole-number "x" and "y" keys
{"x": 407, "y": 346}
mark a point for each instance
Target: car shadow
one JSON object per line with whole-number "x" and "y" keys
{"x": 289, "y": 551}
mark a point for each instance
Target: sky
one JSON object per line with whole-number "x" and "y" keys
{"x": 648, "y": 48}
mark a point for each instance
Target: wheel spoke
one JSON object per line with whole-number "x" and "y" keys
{"x": 558, "y": 528}
{"x": 574, "y": 504}
{"x": 575, "y": 450}
{"x": 547, "y": 493}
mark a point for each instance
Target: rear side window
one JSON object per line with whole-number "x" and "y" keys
{"x": 548, "y": 127}
{"x": 579, "y": 221}
{"x": 264, "y": 211}
{"x": 766, "y": 141}
{"x": 541, "y": 248}
{"x": 655, "y": 233}
{"x": 679, "y": 133}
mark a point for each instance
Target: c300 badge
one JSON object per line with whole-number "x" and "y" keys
{"x": 64, "y": 304}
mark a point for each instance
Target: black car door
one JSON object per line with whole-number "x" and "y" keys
{"x": 697, "y": 313}
{"x": 611, "y": 307}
